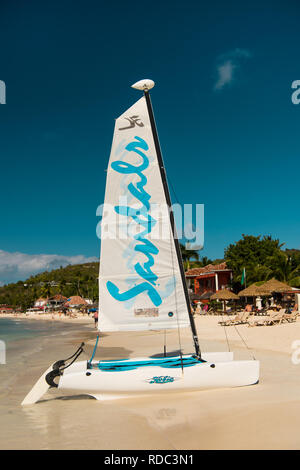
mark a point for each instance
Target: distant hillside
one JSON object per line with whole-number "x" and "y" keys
{"x": 79, "y": 279}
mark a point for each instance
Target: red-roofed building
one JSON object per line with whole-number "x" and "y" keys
{"x": 75, "y": 301}
{"x": 57, "y": 301}
{"x": 6, "y": 308}
{"x": 210, "y": 278}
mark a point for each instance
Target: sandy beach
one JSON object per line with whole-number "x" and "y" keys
{"x": 264, "y": 416}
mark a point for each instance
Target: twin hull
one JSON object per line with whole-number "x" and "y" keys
{"x": 219, "y": 371}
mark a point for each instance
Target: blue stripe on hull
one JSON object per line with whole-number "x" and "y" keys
{"x": 173, "y": 363}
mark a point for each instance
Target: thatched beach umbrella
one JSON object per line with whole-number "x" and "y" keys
{"x": 275, "y": 286}
{"x": 253, "y": 291}
{"x": 224, "y": 295}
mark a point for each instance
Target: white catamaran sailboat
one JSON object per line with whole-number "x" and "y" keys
{"x": 141, "y": 283}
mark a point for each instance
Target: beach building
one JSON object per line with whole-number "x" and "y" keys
{"x": 4, "y": 308}
{"x": 41, "y": 303}
{"x": 210, "y": 278}
{"x": 75, "y": 303}
{"x": 57, "y": 301}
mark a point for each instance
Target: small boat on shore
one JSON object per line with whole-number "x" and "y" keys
{"x": 142, "y": 282}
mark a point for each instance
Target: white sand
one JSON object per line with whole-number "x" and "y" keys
{"x": 264, "y": 416}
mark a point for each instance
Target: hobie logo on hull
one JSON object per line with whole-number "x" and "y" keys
{"x": 144, "y": 220}
{"x": 161, "y": 379}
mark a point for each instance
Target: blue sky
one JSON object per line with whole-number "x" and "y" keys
{"x": 228, "y": 129}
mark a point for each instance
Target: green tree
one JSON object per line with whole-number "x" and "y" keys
{"x": 284, "y": 267}
{"x": 46, "y": 290}
{"x": 187, "y": 255}
{"x": 253, "y": 254}
{"x": 205, "y": 261}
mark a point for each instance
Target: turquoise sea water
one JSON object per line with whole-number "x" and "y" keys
{"x": 13, "y": 329}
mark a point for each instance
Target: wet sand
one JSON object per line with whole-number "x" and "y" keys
{"x": 264, "y": 416}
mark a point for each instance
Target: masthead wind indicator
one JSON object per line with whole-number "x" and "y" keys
{"x": 143, "y": 85}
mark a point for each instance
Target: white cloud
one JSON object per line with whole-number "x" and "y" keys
{"x": 226, "y": 66}
{"x": 225, "y": 74}
{"x": 19, "y": 266}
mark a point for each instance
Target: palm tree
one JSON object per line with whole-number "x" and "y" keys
{"x": 46, "y": 290}
{"x": 205, "y": 261}
{"x": 187, "y": 255}
{"x": 257, "y": 272}
{"x": 284, "y": 268}
{"x": 62, "y": 286}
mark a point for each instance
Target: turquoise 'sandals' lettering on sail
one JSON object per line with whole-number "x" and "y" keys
{"x": 144, "y": 271}
{"x": 127, "y": 168}
{"x": 142, "y": 218}
{"x": 136, "y": 214}
{"x": 133, "y": 292}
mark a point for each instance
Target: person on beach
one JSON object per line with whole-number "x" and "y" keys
{"x": 198, "y": 308}
{"x": 96, "y": 319}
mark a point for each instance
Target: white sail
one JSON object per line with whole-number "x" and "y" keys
{"x": 140, "y": 285}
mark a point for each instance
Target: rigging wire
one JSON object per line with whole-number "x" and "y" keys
{"x": 176, "y": 302}
{"x": 178, "y": 202}
{"x": 165, "y": 344}
{"x": 94, "y": 350}
{"x": 248, "y": 348}
{"x": 225, "y": 332}
{"x": 172, "y": 187}
{"x": 172, "y": 222}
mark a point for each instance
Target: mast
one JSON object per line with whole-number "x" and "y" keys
{"x": 143, "y": 85}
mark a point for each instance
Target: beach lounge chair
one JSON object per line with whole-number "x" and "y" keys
{"x": 263, "y": 312}
{"x": 243, "y": 320}
{"x": 211, "y": 311}
{"x": 278, "y": 318}
{"x": 290, "y": 317}
{"x": 239, "y": 319}
{"x": 275, "y": 317}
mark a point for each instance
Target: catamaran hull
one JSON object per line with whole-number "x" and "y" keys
{"x": 106, "y": 385}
